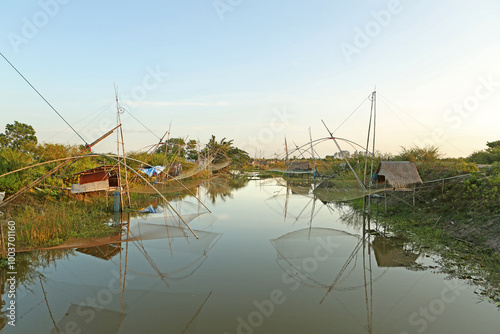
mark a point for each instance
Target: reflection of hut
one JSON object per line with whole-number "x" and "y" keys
{"x": 96, "y": 179}
{"x": 105, "y": 252}
{"x": 399, "y": 174}
{"x": 390, "y": 252}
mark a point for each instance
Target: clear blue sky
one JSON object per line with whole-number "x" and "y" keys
{"x": 255, "y": 71}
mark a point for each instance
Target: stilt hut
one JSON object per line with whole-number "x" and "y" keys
{"x": 96, "y": 179}
{"x": 300, "y": 166}
{"x": 399, "y": 174}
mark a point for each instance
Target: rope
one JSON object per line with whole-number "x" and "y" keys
{"x": 22, "y": 76}
{"x": 416, "y": 120}
{"x": 350, "y": 115}
{"x": 140, "y": 123}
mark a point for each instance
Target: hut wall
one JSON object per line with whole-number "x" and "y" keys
{"x": 93, "y": 177}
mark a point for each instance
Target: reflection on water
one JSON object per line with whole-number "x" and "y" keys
{"x": 268, "y": 259}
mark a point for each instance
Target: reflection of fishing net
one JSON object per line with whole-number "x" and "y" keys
{"x": 301, "y": 188}
{"x": 341, "y": 190}
{"x": 321, "y": 257}
{"x": 208, "y": 166}
{"x": 169, "y": 227}
{"x": 111, "y": 311}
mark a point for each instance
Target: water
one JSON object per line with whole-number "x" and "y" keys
{"x": 267, "y": 261}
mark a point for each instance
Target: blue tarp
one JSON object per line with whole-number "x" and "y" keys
{"x": 151, "y": 209}
{"x": 152, "y": 171}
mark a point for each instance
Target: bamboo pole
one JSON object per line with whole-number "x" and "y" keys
{"x": 287, "y": 158}
{"x": 127, "y": 188}
{"x": 166, "y": 146}
{"x": 312, "y": 154}
{"x": 345, "y": 158}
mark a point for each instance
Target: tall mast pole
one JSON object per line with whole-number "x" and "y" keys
{"x": 312, "y": 153}
{"x": 118, "y": 147}
{"x": 119, "y": 121}
{"x": 287, "y": 159}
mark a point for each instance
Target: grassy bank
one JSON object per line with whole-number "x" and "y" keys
{"x": 44, "y": 220}
{"x": 457, "y": 220}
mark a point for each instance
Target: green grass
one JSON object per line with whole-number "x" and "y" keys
{"x": 44, "y": 221}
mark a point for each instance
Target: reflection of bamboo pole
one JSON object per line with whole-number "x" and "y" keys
{"x": 126, "y": 254}
{"x": 3, "y": 243}
{"x": 140, "y": 247}
{"x": 48, "y": 307}
{"x": 286, "y": 199}
{"x": 351, "y": 257}
{"x": 197, "y": 313}
{"x": 168, "y": 233}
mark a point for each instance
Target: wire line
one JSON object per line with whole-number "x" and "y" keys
{"x": 22, "y": 76}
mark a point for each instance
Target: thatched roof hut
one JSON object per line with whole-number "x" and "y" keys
{"x": 399, "y": 174}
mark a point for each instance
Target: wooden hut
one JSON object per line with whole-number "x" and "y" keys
{"x": 96, "y": 179}
{"x": 399, "y": 174}
{"x": 302, "y": 165}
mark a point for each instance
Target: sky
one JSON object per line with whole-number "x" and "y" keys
{"x": 255, "y": 71}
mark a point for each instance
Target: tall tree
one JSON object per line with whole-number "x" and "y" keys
{"x": 18, "y": 136}
{"x": 218, "y": 150}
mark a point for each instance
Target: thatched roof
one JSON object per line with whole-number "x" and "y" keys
{"x": 399, "y": 174}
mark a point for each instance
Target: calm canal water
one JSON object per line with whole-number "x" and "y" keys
{"x": 268, "y": 260}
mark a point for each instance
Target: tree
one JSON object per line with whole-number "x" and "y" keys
{"x": 223, "y": 150}
{"x": 18, "y": 136}
{"x": 419, "y": 154}
{"x": 493, "y": 144}
{"x": 218, "y": 150}
{"x": 175, "y": 147}
{"x": 191, "y": 152}
{"x": 488, "y": 156}
{"x": 238, "y": 156}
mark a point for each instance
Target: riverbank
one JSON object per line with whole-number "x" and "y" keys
{"x": 48, "y": 218}
{"x": 458, "y": 219}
